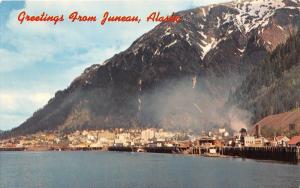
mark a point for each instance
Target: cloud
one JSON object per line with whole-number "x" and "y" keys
{"x": 40, "y": 98}
{"x": 10, "y": 120}
{"x": 12, "y": 101}
{"x": 7, "y": 101}
{"x": 24, "y": 56}
{"x": 17, "y": 106}
{"x": 94, "y": 56}
{"x": 35, "y": 42}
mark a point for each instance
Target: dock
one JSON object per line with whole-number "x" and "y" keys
{"x": 285, "y": 154}
{"x": 13, "y": 149}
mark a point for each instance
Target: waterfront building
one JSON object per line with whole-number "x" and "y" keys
{"x": 295, "y": 141}
{"x": 147, "y": 134}
{"x": 252, "y": 141}
{"x": 242, "y": 135}
{"x": 281, "y": 141}
{"x": 205, "y": 141}
{"x": 249, "y": 141}
{"x": 222, "y": 130}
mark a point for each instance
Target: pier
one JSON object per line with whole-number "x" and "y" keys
{"x": 145, "y": 149}
{"x": 78, "y": 149}
{"x": 286, "y": 154}
{"x": 121, "y": 148}
{"x": 12, "y": 149}
{"x": 161, "y": 149}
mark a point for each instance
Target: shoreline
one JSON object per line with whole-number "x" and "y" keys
{"x": 292, "y": 158}
{"x": 177, "y": 154}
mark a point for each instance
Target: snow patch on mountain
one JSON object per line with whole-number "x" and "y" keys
{"x": 208, "y": 46}
{"x": 171, "y": 44}
{"x": 241, "y": 16}
{"x": 255, "y": 13}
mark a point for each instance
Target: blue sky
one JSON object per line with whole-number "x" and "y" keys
{"x": 37, "y": 59}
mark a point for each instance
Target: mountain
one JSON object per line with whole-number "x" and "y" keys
{"x": 178, "y": 75}
{"x": 273, "y": 86}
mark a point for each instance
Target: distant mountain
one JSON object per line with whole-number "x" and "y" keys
{"x": 174, "y": 76}
{"x": 274, "y": 85}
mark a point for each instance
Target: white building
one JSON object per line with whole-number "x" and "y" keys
{"x": 226, "y": 134}
{"x": 148, "y": 134}
{"x": 222, "y": 130}
{"x": 281, "y": 141}
{"x": 251, "y": 141}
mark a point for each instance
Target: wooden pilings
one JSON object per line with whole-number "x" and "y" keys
{"x": 12, "y": 149}
{"x": 145, "y": 149}
{"x": 160, "y": 149}
{"x": 79, "y": 149}
{"x": 287, "y": 154}
{"x": 121, "y": 148}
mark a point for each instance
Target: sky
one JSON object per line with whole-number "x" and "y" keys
{"x": 37, "y": 58}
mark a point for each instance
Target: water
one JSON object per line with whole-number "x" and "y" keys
{"x": 142, "y": 170}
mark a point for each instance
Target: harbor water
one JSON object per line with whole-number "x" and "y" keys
{"x": 141, "y": 170}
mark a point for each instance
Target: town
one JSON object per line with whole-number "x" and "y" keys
{"x": 216, "y": 142}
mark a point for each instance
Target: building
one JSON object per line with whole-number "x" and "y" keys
{"x": 295, "y": 141}
{"x": 148, "y": 134}
{"x": 222, "y": 130}
{"x": 281, "y": 141}
{"x": 241, "y": 137}
{"x": 251, "y": 141}
{"x": 205, "y": 141}
{"x": 257, "y": 130}
{"x": 184, "y": 144}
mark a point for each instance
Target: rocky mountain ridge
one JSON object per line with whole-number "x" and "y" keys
{"x": 174, "y": 76}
